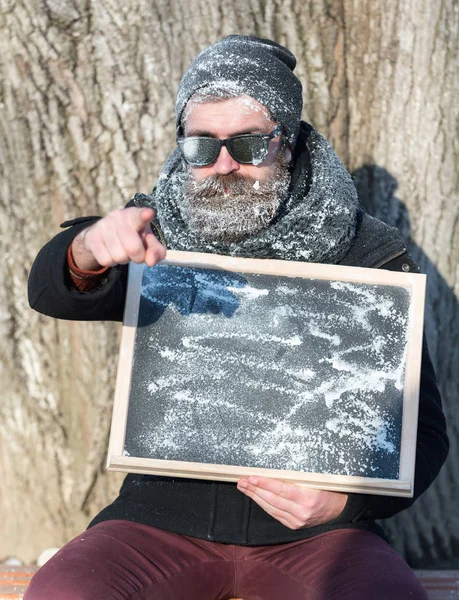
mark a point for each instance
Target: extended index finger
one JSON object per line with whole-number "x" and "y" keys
{"x": 155, "y": 251}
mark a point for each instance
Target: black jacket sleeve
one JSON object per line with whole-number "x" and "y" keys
{"x": 51, "y": 290}
{"x": 432, "y": 440}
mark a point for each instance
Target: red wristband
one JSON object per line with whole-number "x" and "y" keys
{"x": 84, "y": 281}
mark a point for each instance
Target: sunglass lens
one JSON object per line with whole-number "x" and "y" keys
{"x": 248, "y": 149}
{"x": 200, "y": 151}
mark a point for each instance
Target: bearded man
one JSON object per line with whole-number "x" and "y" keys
{"x": 248, "y": 178}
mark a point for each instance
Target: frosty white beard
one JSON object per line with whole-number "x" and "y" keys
{"x": 229, "y": 208}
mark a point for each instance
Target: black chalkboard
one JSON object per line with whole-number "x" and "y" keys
{"x": 249, "y": 369}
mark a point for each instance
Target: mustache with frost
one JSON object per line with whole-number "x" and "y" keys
{"x": 230, "y": 208}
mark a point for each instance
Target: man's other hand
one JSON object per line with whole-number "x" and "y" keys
{"x": 295, "y": 506}
{"x": 123, "y": 235}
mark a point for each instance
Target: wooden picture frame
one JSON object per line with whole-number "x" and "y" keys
{"x": 380, "y": 280}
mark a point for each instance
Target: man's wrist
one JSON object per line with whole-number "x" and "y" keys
{"x": 83, "y": 280}
{"x": 83, "y": 262}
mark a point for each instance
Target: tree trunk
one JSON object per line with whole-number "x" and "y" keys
{"x": 87, "y": 119}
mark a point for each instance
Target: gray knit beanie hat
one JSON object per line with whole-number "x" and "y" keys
{"x": 251, "y": 66}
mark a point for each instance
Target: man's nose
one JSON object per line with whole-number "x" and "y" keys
{"x": 225, "y": 163}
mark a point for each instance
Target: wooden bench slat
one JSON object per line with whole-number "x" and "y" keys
{"x": 14, "y": 581}
{"x": 440, "y": 585}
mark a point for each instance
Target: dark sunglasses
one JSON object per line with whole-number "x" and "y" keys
{"x": 248, "y": 149}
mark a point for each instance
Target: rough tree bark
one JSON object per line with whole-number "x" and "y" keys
{"x": 86, "y": 117}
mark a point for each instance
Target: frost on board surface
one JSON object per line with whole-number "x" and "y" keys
{"x": 273, "y": 372}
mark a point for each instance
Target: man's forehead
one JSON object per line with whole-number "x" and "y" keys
{"x": 233, "y": 115}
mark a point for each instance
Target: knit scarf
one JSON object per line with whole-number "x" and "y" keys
{"x": 316, "y": 223}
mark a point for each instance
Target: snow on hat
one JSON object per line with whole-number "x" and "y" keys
{"x": 246, "y": 65}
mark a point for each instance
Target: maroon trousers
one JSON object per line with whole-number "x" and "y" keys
{"x": 117, "y": 560}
